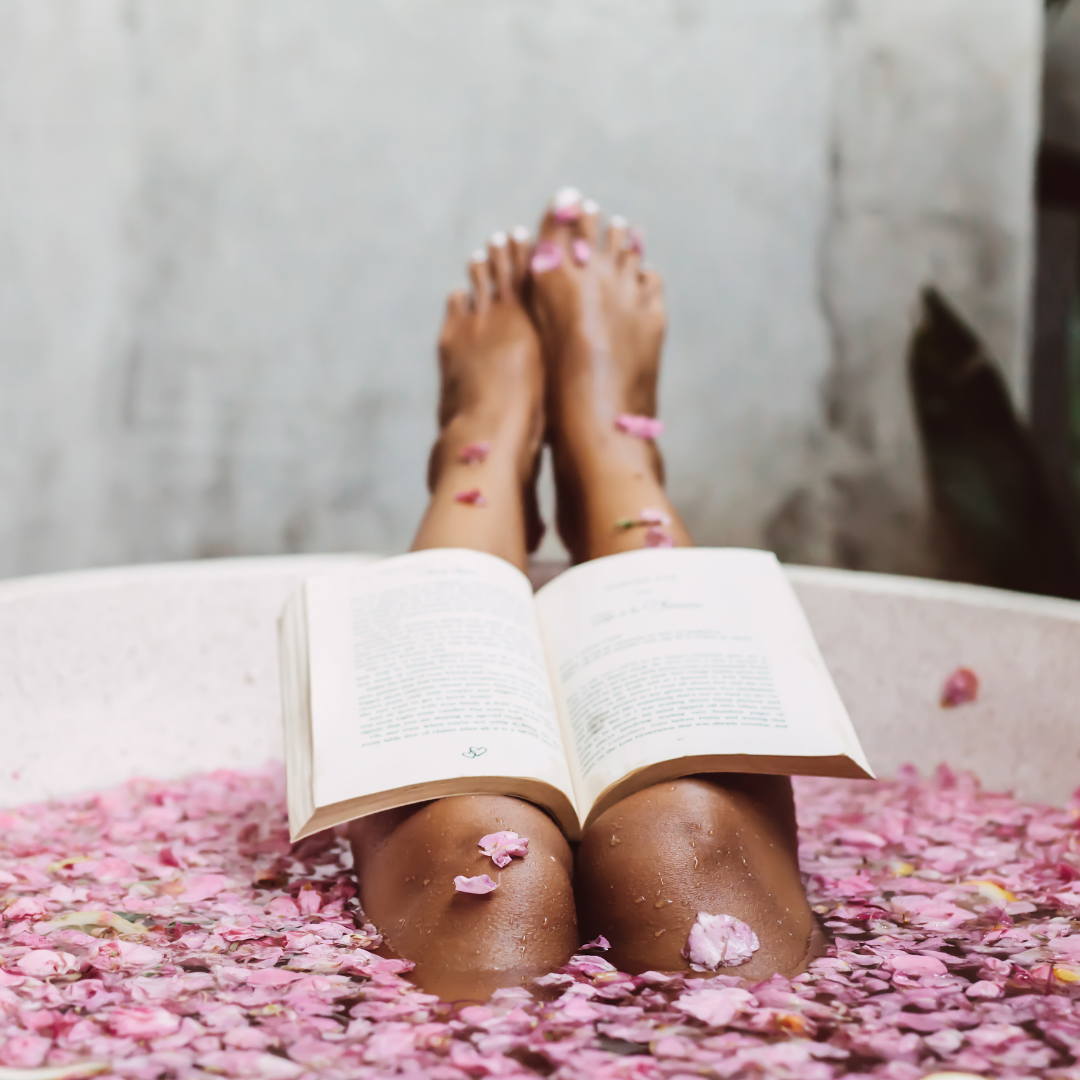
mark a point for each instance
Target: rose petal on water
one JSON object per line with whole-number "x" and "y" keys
{"x": 960, "y": 687}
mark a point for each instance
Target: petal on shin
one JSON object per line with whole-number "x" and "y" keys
{"x": 655, "y": 537}
{"x": 640, "y": 427}
{"x": 474, "y": 453}
{"x": 472, "y": 497}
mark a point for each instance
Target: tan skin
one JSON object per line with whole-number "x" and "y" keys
{"x": 565, "y": 352}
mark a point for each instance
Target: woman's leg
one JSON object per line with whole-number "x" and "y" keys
{"x": 720, "y": 843}
{"x": 466, "y": 946}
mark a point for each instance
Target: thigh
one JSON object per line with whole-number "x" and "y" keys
{"x": 465, "y": 945}
{"x": 723, "y": 844}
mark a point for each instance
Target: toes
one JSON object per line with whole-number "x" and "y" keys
{"x": 480, "y": 276}
{"x": 521, "y": 250}
{"x": 457, "y": 304}
{"x": 652, "y": 286}
{"x": 563, "y": 213}
{"x": 617, "y": 233}
{"x": 500, "y": 266}
{"x": 589, "y": 224}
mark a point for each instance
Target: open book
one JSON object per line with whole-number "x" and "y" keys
{"x": 440, "y": 673}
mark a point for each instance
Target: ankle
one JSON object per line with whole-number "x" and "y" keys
{"x": 487, "y": 446}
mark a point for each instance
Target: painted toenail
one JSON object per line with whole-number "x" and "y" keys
{"x": 520, "y": 233}
{"x": 635, "y": 242}
{"x": 547, "y": 256}
{"x": 498, "y": 239}
{"x": 478, "y": 256}
{"x": 566, "y": 197}
{"x": 590, "y": 206}
{"x": 566, "y": 205}
{"x": 618, "y": 221}
{"x": 582, "y": 251}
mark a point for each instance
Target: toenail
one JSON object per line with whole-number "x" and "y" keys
{"x": 520, "y": 233}
{"x": 566, "y": 197}
{"x": 547, "y": 256}
{"x": 590, "y": 206}
{"x": 582, "y": 251}
{"x": 498, "y": 239}
{"x": 479, "y": 256}
{"x": 618, "y": 221}
{"x": 634, "y": 242}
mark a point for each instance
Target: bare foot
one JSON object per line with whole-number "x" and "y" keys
{"x": 722, "y": 844}
{"x": 601, "y": 319}
{"x": 492, "y": 397}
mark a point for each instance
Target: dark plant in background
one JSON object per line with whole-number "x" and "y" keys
{"x": 1000, "y": 519}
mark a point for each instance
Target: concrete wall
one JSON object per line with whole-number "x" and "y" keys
{"x": 226, "y": 228}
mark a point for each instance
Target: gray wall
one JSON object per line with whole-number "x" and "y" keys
{"x": 227, "y": 226}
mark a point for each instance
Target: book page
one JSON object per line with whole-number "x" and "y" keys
{"x": 664, "y": 654}
{"x": 428, "y": 667}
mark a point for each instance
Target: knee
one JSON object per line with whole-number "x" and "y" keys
{"x": 446, "y": 832}
{"x": 679, "y": 824}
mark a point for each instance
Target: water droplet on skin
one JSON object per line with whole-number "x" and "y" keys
{"x": 658, "y": 933}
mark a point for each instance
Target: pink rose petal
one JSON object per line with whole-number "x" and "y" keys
{"x": 202, "y": 887}
{"x": 715, "y": 1007}
{"x": 650, "y": 515}
{"x": 641, "y": 427}
{"x": 719, "y": 941}
{"x": 43, "y": 963}
{"x": 143, "y": 1022}
{"x": 655, "y": 537}
{"x": 478, "y": 886}
{"x": 960, "y": 687}
{"x": 474, "y": 453}
{"x": 600, "y": 942}
{"x": 502, "y": 846}
{"x": 546, "y": 256}
{"x": 581, "y": 251}
{"x": 472, "y": 497}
